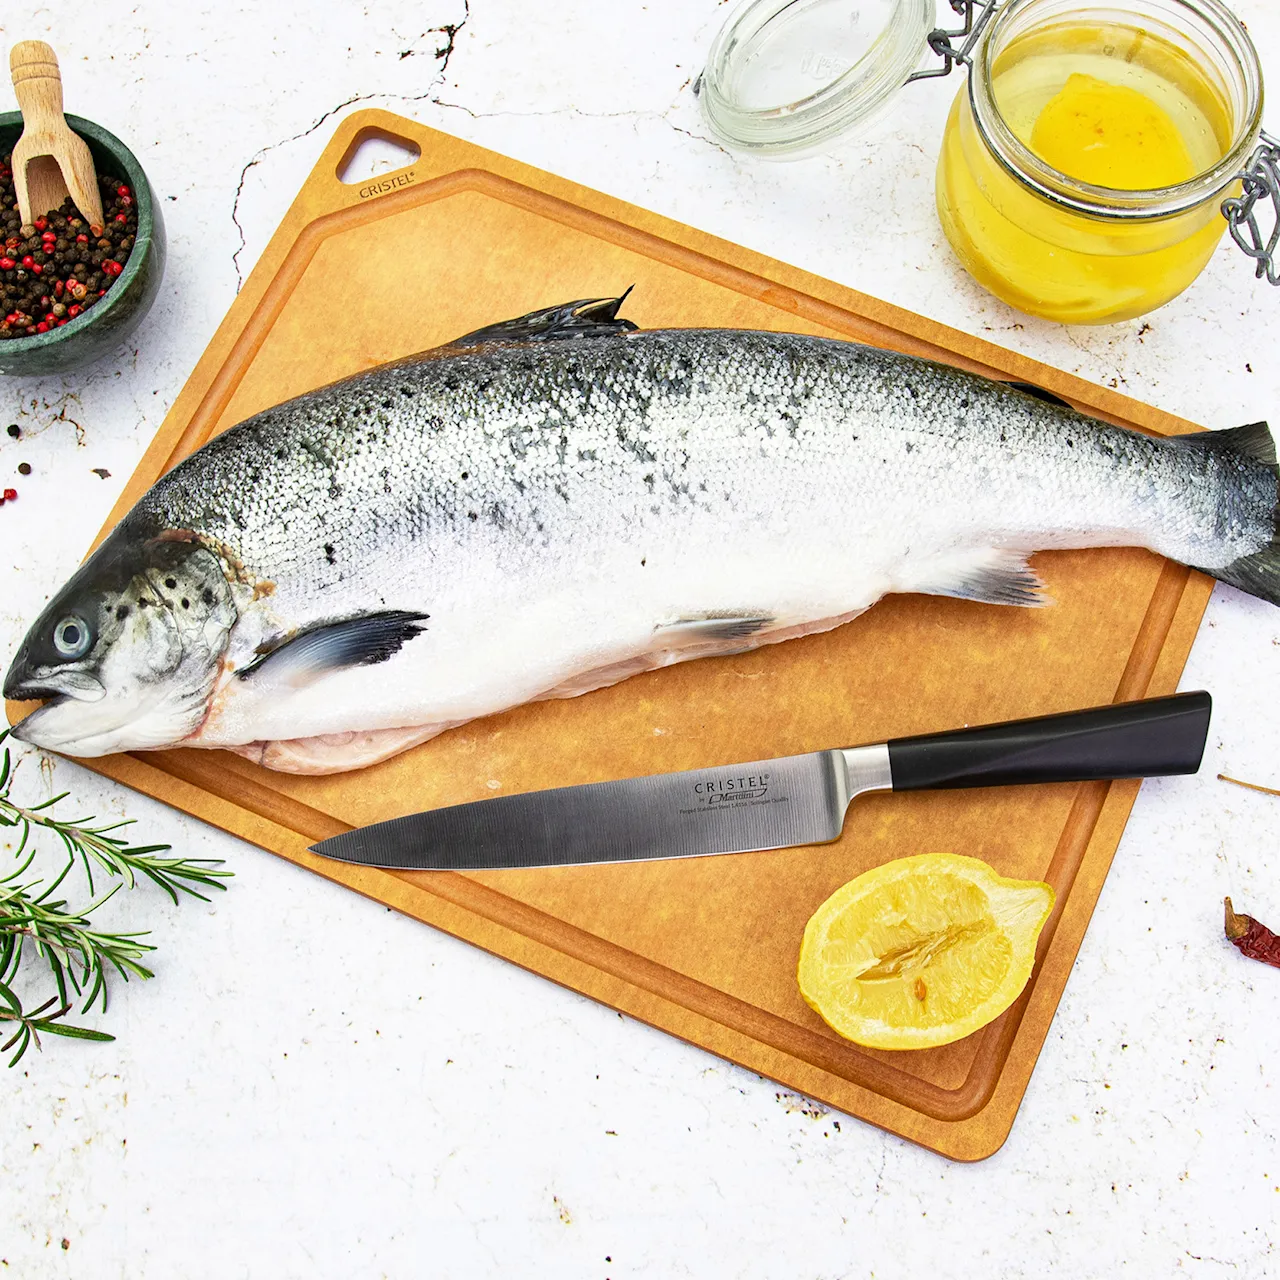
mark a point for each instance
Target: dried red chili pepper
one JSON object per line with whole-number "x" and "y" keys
{"x": 1253, "y": 939}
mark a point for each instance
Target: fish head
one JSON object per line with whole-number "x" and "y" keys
{"x": 128, "y": 652}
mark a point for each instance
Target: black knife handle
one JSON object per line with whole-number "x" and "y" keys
{"x": 1125, "y": 740}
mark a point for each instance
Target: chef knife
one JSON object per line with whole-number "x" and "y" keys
{"x": 774, "y": 804}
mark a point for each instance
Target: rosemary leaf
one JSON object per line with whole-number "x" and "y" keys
{"x": 79, "y": 957}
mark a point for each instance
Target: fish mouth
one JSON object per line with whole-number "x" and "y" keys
{"x": 76, "y": 728}
{"x": 78, "y": 721}
{"x": 58, "y": 686}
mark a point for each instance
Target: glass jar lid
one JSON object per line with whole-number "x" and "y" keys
{"x": 785, "y": 76}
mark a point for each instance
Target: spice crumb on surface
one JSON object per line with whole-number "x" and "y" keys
{"x": 59, "y": 266}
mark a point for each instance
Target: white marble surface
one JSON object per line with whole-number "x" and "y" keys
{"x": 313, "y": 1086}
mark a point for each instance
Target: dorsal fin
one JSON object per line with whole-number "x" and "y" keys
{"x": 586, "y": 318}
{"x": 1030, "y": 388}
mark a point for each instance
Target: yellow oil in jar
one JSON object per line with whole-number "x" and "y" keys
{"x": 1112, "y": 106}
{"x": 1111, "y": 136}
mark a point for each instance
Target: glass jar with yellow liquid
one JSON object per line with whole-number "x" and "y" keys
{"x": 1087, "y": 162}
{"x": 1084, "y": 163}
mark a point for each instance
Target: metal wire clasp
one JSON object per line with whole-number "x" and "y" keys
{"x": 976, "y": 14}
{"x": 1261, "y": 177}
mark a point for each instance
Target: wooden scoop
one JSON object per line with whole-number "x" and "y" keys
{"x": 49, "y": 161}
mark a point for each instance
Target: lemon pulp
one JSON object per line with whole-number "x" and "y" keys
{"x": 922, "y": 951}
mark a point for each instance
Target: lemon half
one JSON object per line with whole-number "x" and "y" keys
{"x": 921, "y": 951}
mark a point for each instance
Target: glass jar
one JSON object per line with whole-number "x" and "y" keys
{"x": 785, "y": 77}
{"x": 1072, "y": 250}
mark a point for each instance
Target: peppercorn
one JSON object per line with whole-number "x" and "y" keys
{"x": 1252, "y": 939}
{"x": 58, "y": 258}
{"x": 24, "y": 468}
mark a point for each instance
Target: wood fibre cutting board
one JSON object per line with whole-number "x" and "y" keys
{"x": 705, "y": 948}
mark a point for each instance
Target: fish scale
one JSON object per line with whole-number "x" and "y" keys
{"x": 550, "y": 505}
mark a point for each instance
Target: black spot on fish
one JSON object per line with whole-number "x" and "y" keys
{"x": 643, "y": 561}
{"x": 171, "y": 583}
{"x": 335, "y": 490}
{"x": 466, "y": 475}
{"x": 913, "y": 393}
{"x": 122, "y": 611}
{"x": 143, "y": 602}
{"x": 207, "y": 596}
{"x": 471, "y": 515}
{"x": 329, "y": 553}
{"x": 388, "y": 404}
{"x": 186, "y": 604}
{"x": 964, "y": 402}
{"x": 406, "y": 391}
{"x": 1071, "y": 444}
{"x": 910, "y": 447}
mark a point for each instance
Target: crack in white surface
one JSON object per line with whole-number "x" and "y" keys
{"x": 661, "y": 117}
{"x": 449, "y": 30}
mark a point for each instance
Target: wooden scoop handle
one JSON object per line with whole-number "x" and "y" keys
{"x": 50, "y": 162}
{"x": 38, "y": 85}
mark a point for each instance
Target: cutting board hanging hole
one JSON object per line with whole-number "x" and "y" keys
{"x": 373, "y": 153}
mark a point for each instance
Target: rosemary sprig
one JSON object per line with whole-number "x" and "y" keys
{"x": 78, "y": 956}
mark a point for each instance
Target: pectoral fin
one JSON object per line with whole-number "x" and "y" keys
{"x": 315, "y": 651}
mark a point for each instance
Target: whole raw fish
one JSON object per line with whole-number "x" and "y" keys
{"x": 555, "y": 503}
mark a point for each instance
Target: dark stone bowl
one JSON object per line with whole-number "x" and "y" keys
{"x": 100, "y": 330}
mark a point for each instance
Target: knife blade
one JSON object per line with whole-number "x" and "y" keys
{"x": 777, "y": 804}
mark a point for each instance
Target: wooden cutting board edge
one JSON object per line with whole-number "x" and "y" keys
{"x": 451, "y": 903}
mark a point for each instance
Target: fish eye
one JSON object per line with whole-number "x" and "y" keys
{"x": 71, "y": 637}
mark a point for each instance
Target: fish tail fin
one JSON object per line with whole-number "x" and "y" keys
{"x": 1259, "y": 573}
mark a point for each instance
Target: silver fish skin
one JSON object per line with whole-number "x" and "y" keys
{"x": 558, "y": 502}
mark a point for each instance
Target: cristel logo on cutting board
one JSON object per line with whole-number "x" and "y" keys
{"x": 387, "y": 184}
